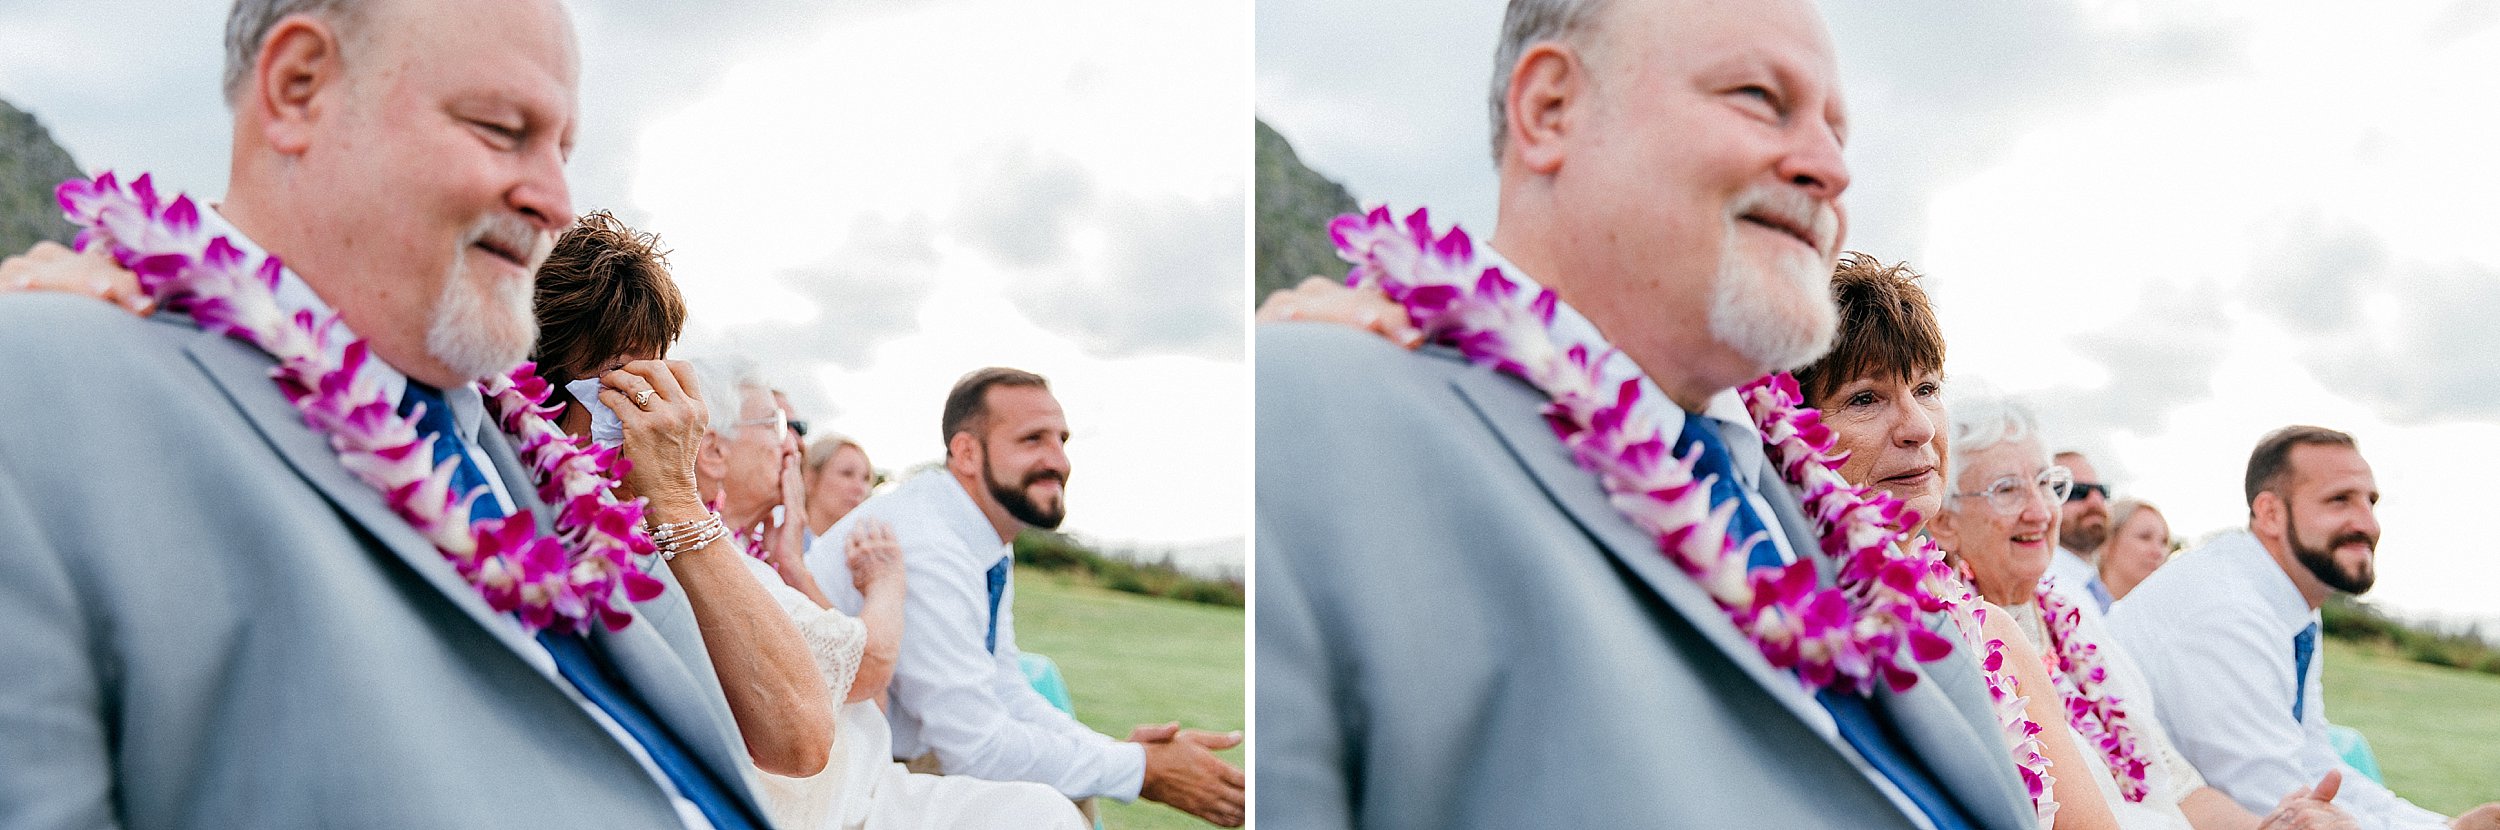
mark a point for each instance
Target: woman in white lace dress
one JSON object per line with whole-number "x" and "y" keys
{"x": 862, "y": 786}
{"x": 1999, "y": 520}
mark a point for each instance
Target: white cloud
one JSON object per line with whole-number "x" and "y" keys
{"x": 930, "y": 188}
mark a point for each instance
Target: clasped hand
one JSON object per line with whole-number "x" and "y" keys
{"x": 1182, "y": 771}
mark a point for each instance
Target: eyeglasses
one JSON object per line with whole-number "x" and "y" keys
{"x": 799, "y": 427}
{"x": 2008, "y": 496}
{"x": 779, "y": 419}
{"x": 2084, "y": 491}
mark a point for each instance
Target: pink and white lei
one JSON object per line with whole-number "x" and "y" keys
{"x": 584, "y": 572}
{"x": 2022, "y": 734}
{"x": 1845, "y": 637}
{"x": 2082, "y": 677}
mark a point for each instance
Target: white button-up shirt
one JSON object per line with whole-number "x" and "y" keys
{"x": 2213, "y": 633}
{"x": 951, "y": 695}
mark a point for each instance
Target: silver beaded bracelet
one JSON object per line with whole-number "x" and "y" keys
{"x": 688, "y": 536}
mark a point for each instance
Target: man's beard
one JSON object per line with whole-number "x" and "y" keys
{"x": 1776, "y": 327}
{"x": 476, "y": 332}
{"x": 2321, "y": 560}
{"x": 1021, "y": 506}
{"x": 2086, "y": 538}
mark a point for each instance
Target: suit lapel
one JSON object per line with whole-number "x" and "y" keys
{"x": 517, "y": 480}
{"x": 652, "y": 669}
{"x": 242, "y": 373}
{"x": 1578, "y": 494}
{"x": 1949, "y": 723}
{"x": 649, "y": 666}
{"x": 1953, "y": 734}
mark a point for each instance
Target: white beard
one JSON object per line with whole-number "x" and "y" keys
{"x": 1779, "y": 321}
{"x": 479, "y": 333}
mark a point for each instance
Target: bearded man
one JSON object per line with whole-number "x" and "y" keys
{"x": 961, "y": 704}
{"x": 1457, "y": 625}
{"x": 218, "y": 615}
{"x": 2228, "y": 633}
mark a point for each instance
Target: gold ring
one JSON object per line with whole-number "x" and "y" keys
{"x": 643, "y": 398}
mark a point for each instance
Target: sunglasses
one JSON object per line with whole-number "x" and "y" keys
{"x": 2084, "y": 491}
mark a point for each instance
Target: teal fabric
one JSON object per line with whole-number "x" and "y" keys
{"x": 1044, "y": 675}
{"x": 2355, "y": 750}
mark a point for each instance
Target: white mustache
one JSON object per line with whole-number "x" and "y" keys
{"x": 512, "y": 234}
{"x": 1817, "y": 220}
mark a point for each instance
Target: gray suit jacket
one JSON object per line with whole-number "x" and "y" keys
{"x": 1455, "y": 629}
{"x": 205, "y": 621}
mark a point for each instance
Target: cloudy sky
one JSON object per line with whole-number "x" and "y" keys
{"x": 872, "y": 197}
{"x": 2172, "y": 226}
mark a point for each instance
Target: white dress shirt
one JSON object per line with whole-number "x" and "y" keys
{"x": 2213, "y": 632}
{"x": 950, "y": 695}
{"x": 2073, "y": 577}
{"x": 468, "y": 413}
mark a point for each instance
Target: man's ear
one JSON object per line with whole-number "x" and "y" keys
{"x": 1945, "y": 530}
{"x": 963, "y": 454}
{"x": 2266, "y": 515}
{"x": 297, "y": 62}
{"x": 1548, "y": 94}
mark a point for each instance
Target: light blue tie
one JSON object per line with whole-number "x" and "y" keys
{"x": 2304, "y": 645}
{"x": 998, "y": 590}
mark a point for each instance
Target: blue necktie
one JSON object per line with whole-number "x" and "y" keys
{"x": 1715, "y": 461}
{"x": 2304, "y": 644}
{"x": 2099, "y": 592}
{"x": 1879, "y": 744}
{"x": 998, "y": 590}
{"x": 574, "y": 658}
{"x": 436, "y": 421}
{"x": 1884, "y": 750}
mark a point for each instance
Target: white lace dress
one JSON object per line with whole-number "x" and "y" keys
{"x": 862, "y": 787}
{"x": 2167, "y": 774}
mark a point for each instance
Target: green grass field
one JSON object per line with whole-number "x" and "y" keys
{"x": 2435, "y": 730}
{"x": 1130, "y": 660}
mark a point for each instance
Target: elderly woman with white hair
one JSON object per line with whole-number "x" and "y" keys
{"x": 1997, "y": 525}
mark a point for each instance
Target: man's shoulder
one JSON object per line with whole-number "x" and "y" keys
{"x": 918, "y": 510}
{"x": 1345, "y": 362}
{"x": 42, "y": 330}
{"x": 74, "y": 359}
{"x": 2199, "y": 590}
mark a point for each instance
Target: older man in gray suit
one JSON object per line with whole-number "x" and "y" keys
{"x": 1455, "y": 626}
{"x": 210, "y": 621}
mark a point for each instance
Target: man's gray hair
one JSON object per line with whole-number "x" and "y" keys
{"x": 249, "y": 22}
{"x": 1527, "y": 23}
{"x": 726, "y": 381}
{"x": 1984, "y": 417}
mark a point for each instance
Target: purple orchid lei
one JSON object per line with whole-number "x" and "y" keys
{"x": 584, "y": 572}
{"x": 1847, "y": 637}
{"x": 2022, "y": 734}
{"x": 2081, "y": 676}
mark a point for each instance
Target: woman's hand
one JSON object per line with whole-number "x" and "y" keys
{"x": 876, "y": 558}
{"x": 1321, "y": 300}
{"x": 50, "y": 267}
{"x": 664, "y": 419}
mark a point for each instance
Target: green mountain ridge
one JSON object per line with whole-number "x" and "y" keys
{"x": 31, "y": 165}
{"x": 1294, "y": 204}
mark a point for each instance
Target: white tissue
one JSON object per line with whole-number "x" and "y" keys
{"x": 605, "y": 429}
